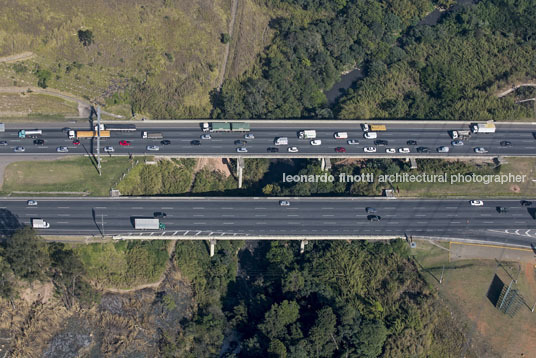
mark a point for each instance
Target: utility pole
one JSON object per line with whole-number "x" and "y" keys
{"x": 102, "y": 224}
{"x": 441, "y": 278}
{"x": 99, "y": 168}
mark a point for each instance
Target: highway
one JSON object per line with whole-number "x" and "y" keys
{"x": 181, "y": 134}
{"x": 258, "y": 217}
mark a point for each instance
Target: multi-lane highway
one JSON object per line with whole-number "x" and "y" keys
{"x": 180, "y": 136}
{"x": 254, "y": 217}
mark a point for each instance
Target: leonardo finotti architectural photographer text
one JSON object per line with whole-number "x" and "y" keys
{"x": 407, "y": 178}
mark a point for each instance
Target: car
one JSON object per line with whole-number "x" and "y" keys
{"x": 159, "y": 214}
{"x": 272, "y": 150}
{"x": 423, "y": 149}
{"x": 240, "y": 142}
{"x": 365, "y": 127}
{"x": 62, "y": 149}
{"x": 316, "y": 142}
{"x": 38, "y": 142}
{"x": 292, "y": 149}
{"x": 249, "y": 136}
{"x": 3, "y": 142}
{"x": 66, "y": 129}
{"x": 109, "y": 149}
{"x": 352, "y": 141}
{"x": 165, "y": 142}
{"x": 369, "y": 149}
{"x": 31, "y": 203}
{"x": 370, "y": 135}
{"x": 19, "y": 149}
{"x": 370, "y": 210}
{"x": 241, "y": 150}
{"x": 206, "y": 136}
{"x": 480, "y": 150}
{"x": 501, "y": 209}
{"x": 153, "y": 148}
{"x": 443, "y": 149}
{"x": 76, "y": 142}
{"x": 340, "y": 135}
{"x": 403, "y": 150}
{"x": 506, "y": 143}
{"x": 390, "y": 150}
{"x": 411, "y": 142}
{"x": 374, "y": 218}
{"x": 477, "y": 203}
{"x": 526, "y": 203}
{"x": 457, "y": 143}
{"x": 124, "y": 143}
{"x": 195, "y": 142}
{"x": 284, "y": 203}
{"x": 340, "y": 150}
{"x": 381, "y": 142}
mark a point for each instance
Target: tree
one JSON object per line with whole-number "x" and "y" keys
{"x": 42, "y": 77}
{"x": 85, "y": 37}
{"x": 25, "y": 252}
{"x": 6, "y": 288}
{"x": 225, "y": 38}
{"x": 370, "y": 339}
{"x": 278, "y": 318}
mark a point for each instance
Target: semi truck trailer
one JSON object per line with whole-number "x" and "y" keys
{"x": 148, "y": 224}
{"x": 88, "y": 134}
{"x": 23, "y": 133}
{"x": 152, "y": 135}
{"x": 488, "y": 127}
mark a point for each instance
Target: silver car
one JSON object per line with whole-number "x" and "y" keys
{"x": 249, "y": 136}
{"x": 153, "y": 148}
{"x": 31, "y": 203}
{"x": 109, "y": 149}
{"x": 284, "y": 203}
{"x": 480, "y": 150}
{"x": 443, "y": 149}
{"x": 241, "y": 150}
{"x": 19, "y": 149}
{"x": 206, "y": 136}
{"x": 62, "y": 149}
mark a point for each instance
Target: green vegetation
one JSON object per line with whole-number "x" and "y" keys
{"x": 85, "y": 37}
{"x": 75, "y": 174}
{"x": 34, "y": 105}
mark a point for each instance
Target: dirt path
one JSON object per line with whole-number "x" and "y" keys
{"x": 170, "y": 249}
{"x": 234, "y": 5}
{"x": 18, "y": 57}
{"x": 504, "y": 93}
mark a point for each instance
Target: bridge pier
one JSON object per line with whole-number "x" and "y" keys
{"x": 212, "y": 246}
{"x": 239, "y": 170}
{"x": 413, "y": 162}
{"x": 302, "y": 246}
{"x": 325, "y": 164}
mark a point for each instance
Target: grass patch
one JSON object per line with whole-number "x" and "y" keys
{"x": 73, "y": 174}
{"x": 32, "y": 104}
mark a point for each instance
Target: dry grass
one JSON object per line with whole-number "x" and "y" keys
{"x": 19, "y": 105}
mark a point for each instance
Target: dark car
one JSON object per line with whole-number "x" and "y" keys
{"x": 381, "y": 142}
{"x": 411, "y": 142}
{"x": 39, "y": 141}
{"x": 423, "y": 150}
{"x": 340, "y": 150}
{"x": 501, "y": 209}
{"x": 370, "y": 210}
{"x": 506, "y": 143}
{"x": 240, "y": 142}
{"x": 272, "y": 150}
{"x": 165, "y": 142}
{"x": 159, "y": 215}
{"x": 526, "y": 203}
{"x": 3, "y": 142}
{"x": 195, "y": 142}
{"x": 374, "y": 218}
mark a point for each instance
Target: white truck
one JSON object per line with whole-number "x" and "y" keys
{"x": 152, "y": 135}
{"x": 281, "y": 141}
{"x": 205, "y": 126}
{"x": 23, "y": 133}
{"x": 307, "y": 134}
{"x": 148, "y": 224}
{"x": 488, "y": 127}
{"x": 40, "y": 224}
{"x": 460, "y": 134}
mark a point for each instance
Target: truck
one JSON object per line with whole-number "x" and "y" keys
{"x": 307, "y": 134}
{"x": 240, "y": 127}
{"x": 225, "y": 127}
{"x": 117, "y": 127}
{"x": 220, "y": 127}
{"x": 281, "y": 141}
{"x": 148, "y": 224}
{"x": 40, "y": 224}
{"x": 460, "y": 134}
{"x": 151, "y": 135}
{"x": 23, "y": 133}
{"x": 377, "y": 127}
{"x": 2, "y": 127}
{"x": 205, "y": 126}
{"x": 88, "y": 134}
{"x": 488, "y": 127}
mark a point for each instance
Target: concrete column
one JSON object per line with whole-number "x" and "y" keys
{"x": 239, "y": 170}
{"x": 302, "y": 246}
{"x": 322, "y": 164}
{"x": 212, "y": 245}
{"x": 413, "y": 162}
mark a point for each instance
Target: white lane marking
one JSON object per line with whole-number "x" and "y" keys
{"x": 64, "y": 214}
{"x": 167, "y": 208}
{"x": 199, "y": 223}
{"x": 293, "y": 215}
{"x": 63, "y": 222}
{"x": 227, "y": 208}
{"x": 260, "y": 208}
{"x": 228, "y": 216}
{"x": 63, "y": 207}
{"x": 199, "y": 215}
{"x": 198, "y": 208}
{"x": 100, "y": 207}
{"x": 328, "y": 215}
{"x": 260, "y": 223}
{"x": 327, "y": 208}
{"x": 137, "y": 207}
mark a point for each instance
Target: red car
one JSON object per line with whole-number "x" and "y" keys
{"x": 124, "y": 142}
{"x": 340, "y": 150}
{"x": 76, "y": 142}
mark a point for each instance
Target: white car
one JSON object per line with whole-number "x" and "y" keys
{"x": 62, "y": 150}
{"x": 340, "y": 135}
{"x": 316, "y": 142}
{"x": 109, "y": 149}
{"x": 292, "y": 149}
{"x": 153, "y": 148}
{"x": 241, "y": 150}
{"x": 352, "y": 141}
{"x": 457, "y": 143}
{"x": 206, "y": 136}
{"x": 370, "y": 149}
{"x": 480, "y": 150}
{"x": 443, "y": 149}
{"x": 370, "y": 135}
{"x": 390, "y": 150}
{"x": 19, "y": 149}
{"x": 31, "y": 203}
{"x": 249, "y": 136}
{"x": 403, "y": 150}
{"x": 477, "y": 203}
{"x": 284, "y": 203}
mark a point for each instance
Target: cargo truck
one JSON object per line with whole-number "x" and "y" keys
{"x": 220, "y": 127}
{"x": 460, "y": 134}
{"x": 240, "y": 127}
{"x": 148, "y": 224}
{"x": 88, "y": 134}
{"x": 117, "y": 127}
{"x": 225, "y": 127}
{"x": 40, "y": 224}
{"x": 377, "y": 127}
{"x": 488, "y": 127}
{"x": 2, "y": 127}
{"x": 23, "y": 133}
{"x": 307, "y": 134}
{"x": 151, "y": 135}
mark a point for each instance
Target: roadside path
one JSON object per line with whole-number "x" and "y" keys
{"x": 221, "y": 77}
{"x": 18, "y": 57}
{"x": 504, "y": 93}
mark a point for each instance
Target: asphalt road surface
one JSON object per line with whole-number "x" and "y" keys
{"x": 181, "y": 135}
{"x": 222, "y": 217}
